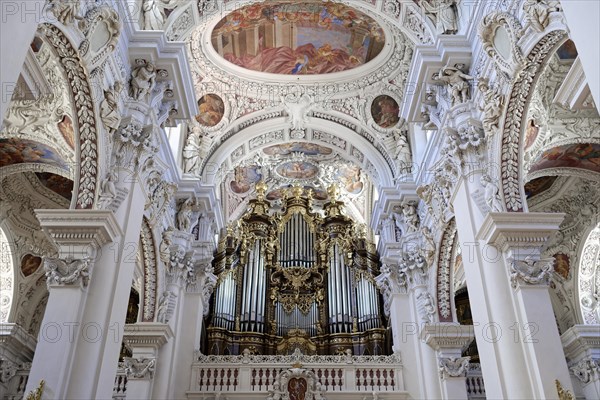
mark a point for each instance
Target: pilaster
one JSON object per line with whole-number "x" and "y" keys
{"x": 79, "y": 236}
{"x": 145, "y": 340}
{"x": 518, "y": 239}
{"x": 449, "y": 340}
{"x": 581, "y": 344}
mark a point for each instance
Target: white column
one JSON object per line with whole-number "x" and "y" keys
{"x": 145, "y": 339}
{"x": 582, "y": 19}
{"x": 503, "y": 366}
{"x": 402, "y": 288}
{"x": 80, "y": 236}
{"x": 518, "y": 238}
{"x": 449, "y": 340}
{"x": 18, "y": 23}
{"x": 581, "y": 344}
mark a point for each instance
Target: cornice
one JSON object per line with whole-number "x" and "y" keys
{"x": 519, "y": 229}
{"x": 15, "y": 339}
{"x": 580, "y": 340}
{"x": 79, "y": 227}
{"x": 147, "y": 334}
{"x": 442, "y": 336}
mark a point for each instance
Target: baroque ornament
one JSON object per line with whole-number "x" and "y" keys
{"x": 86, "y": 121}
{"x": 530, "y": 271}
{"x": 500, "y": 33}
{"x": 148, "y": 252}
{"x": 452, "y": 367}
{"x": 515, "y": 119}
{"x": 139, "y": 368}
{"x": 67, "y": 271}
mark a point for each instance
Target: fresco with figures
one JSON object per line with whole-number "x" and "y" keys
{"x": 297, "y": 170}
{"x": 65, "y": 127}
{"x": 350, "y": 179}
{"x": 244, "y": 178}
{"x": 384, "y": 111}
{"x": 58, "y": 184}
{"x": 30, "y": 264}
{"x": 309, "y": 149}
{"x": 304, "y": 38}
{"x": 210, "y": 110}
{"x": 582, "y": 156}
{"x": 16, "y": 151}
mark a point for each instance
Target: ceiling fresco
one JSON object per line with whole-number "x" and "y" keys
{"x": 58, "y": 184}
{"x": 311, "y": 166}
{"x": 582, "y": 156}
{"x": 16, "y": 151}
{"x": 310, "y": 149}
{"x": 305, "y": 38}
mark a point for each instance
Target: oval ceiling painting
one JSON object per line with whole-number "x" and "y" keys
{"x": 385, "y": 110}
{"x": 210, "y": 110}
{"x": 297, "y": 170}
{"x": 303, "y": 38}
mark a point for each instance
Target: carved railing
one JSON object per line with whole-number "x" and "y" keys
{"x": 120, "y": 388}
{"x": 475, "y": 385}
{"x": 342, "y": 374}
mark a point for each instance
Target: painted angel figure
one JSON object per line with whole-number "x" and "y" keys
{"x": 458, "y": 82}
{"x": 445, "y": 13}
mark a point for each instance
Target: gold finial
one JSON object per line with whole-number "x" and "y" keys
{"x": 297, "y": 191}
{"x": 36, "y": 394}
{"x": 333, "y": 192}
{"x": 261, "y": 188}
{"x": 562, "y": 393}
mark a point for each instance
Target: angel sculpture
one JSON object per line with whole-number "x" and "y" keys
{"x": 458, "y": 82}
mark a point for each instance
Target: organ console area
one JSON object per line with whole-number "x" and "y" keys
{"x": 301, "y": 277}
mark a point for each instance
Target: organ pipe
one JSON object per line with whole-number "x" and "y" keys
{"x": 295, "y": 278}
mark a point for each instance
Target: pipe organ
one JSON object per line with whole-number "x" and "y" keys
{"x": 295, "y": 278}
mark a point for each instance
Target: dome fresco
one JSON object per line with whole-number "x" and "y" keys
{"x": 305, "y": 38}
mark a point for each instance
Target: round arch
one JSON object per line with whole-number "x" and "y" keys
{"x": 85, "y": 121}
{"x": 509, "y": 143}
{"x": 248, "y": 141}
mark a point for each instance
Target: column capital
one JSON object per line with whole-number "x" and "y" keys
{"x": 581, "y": 341}
{"x": 74, "y": 272}
{"x": 587, "y": 370}
{"x": 16, "y": 342}
{"x": 447, "y": 336}
{"x": 151, "y": 335}
{"x": 453, "y": 367}
{"x": 139, "y": 368}
{"x": 509, "y": 230}
{"x": 76, "y": 232}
